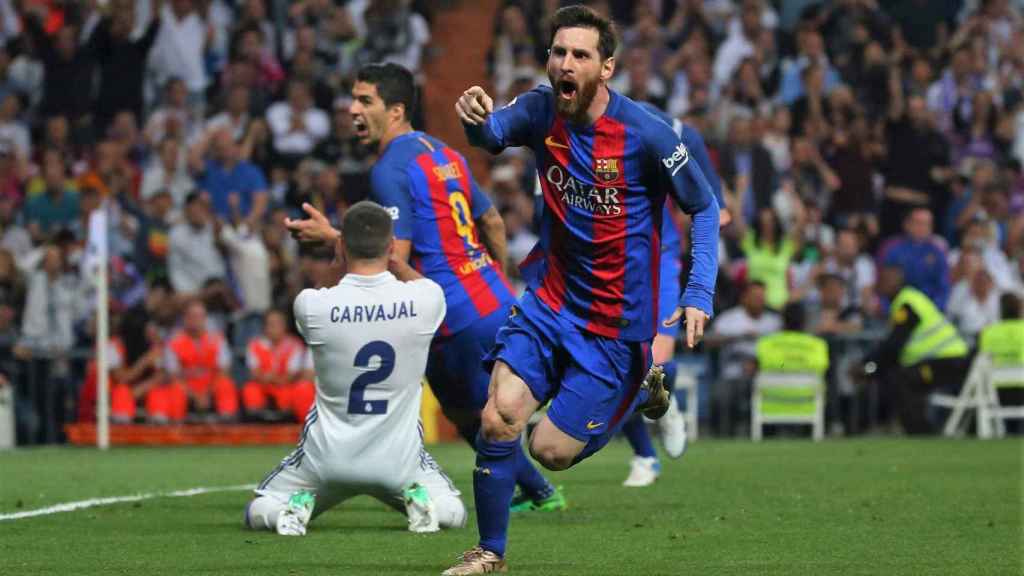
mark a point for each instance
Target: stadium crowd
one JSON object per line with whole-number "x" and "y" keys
{"x": 851, "y": 136}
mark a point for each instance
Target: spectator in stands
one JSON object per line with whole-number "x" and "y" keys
{"x": 854, "y": 268}
{"x": 12, "y": 129}
{"x": 854, "y": 155}
{"x": 122, "y": 59}
{"x": 56, "y": 208}
{"x": 174, "y": 118}
{"x": 918, "y": 164}
{"x": 13, "y": 237}
{"x": 275, "y": 362}
{"x": 295, "y": 124}
{"x": 179, "y": 48}
{"x": 394, "y": 33}
{"x": 152, "y": 236}
{"x": 735, "y": 332}
{"x": 221, "y": 172}
{"x": 813, "y": 179}
{"x": 235, "y": 117}
{"x": 250, "y": 264}
{"x": 974, "y": 301}
{"x": 834, "y": 314}
{"x": 12, "y": 289}
{"x": 981, "y": 237}
{"x": 67, "y": 67}
{"x": 167, "y": 173}
{"x": 197, "y": 361}
{"x": 250, "y": 47}
{"x": 47, "y": 335}
{"x": 744, "y": 157}
{"x": 10, "y": 174}
{"x": 769, "y": 250}
{"x": 921, "y": 256}
{"x": 740, "y": 43}
{"x": 193, "y": 258}
{"x": 110, "y": 167}
{"x": 810, "y": 51}
{"x": 775, "y": 138}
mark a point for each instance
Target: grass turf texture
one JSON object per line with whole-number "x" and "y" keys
{"x": 874, "y": 506}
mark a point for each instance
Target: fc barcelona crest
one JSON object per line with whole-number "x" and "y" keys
{"x": 607, "y": 169}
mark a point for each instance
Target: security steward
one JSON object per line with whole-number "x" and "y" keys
{"x": 923, "y": 353}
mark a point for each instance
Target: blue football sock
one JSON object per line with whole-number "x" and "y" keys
{"x": 670, "y": 367}
{"x": 529, "y": 479}
{"x": 494, "y": 482}
{"x": 636, "y": 432}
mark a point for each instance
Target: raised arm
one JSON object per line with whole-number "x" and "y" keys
{"x": 512, "y": 125}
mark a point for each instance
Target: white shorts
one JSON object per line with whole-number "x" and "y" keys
{"x": 297, "y": 473}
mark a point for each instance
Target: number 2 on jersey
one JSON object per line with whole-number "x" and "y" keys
{"x": 383, "y": 350}
{"x": 463, "y": 218}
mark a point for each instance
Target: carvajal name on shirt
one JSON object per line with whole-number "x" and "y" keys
{"x": 373, "y": 312}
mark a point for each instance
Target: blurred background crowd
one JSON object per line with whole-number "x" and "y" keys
{"x": 849, "y": 134}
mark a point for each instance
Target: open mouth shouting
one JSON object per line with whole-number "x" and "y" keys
{"x": 359, "y": 125}
{"x": 567, "y": 89}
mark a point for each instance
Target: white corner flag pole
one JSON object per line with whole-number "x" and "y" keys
{"x": 97, "y": 253}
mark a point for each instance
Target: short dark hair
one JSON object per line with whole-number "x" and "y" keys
{"x": 580, "y": 16}
{"x": 793, "y": 317}
{"x": 394, "y": 83}
{"x": 367, "y": 229}
{"x": 1009, "y": 306}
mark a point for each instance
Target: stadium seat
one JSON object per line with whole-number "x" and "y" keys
{"x": 981, "y": 393}
{"x": 788, "y": 398}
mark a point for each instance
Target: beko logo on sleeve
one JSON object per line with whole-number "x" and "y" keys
{"x": 678, "y": 159}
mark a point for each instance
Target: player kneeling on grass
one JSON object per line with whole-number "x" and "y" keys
{"x": 370, "y": 336}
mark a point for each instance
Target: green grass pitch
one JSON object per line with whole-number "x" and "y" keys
{"x": 871, "y": 506}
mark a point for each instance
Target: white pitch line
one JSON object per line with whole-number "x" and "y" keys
{"x": 92, "y": 502}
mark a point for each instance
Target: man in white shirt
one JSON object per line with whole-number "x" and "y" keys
{"x": 370, "y": 335}
{"x": 296, "y": 125}
{"x": 192, "y": 256}
{"x": 736, "y": 332}
{"x": 178, "y": 52}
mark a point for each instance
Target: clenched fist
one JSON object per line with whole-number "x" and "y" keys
{"x": 473, "y": 106}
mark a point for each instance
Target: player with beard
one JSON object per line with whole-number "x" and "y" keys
{"x": 449, "y": 231}
{"x": 581, "y": 335}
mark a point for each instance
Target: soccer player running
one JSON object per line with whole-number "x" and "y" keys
{"x": 370, "y": 335}
{"x": 448, "y": 229}
{"x": 581, "y": 334}
{"x": 645, "y": 467}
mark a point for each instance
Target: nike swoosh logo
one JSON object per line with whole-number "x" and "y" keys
{"x": 594, "y": 425}
{"x": 551, "y": 142}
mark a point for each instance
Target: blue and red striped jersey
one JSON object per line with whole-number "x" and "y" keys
{"x": 435, "y": 202}
{"x": 604, "y": 188}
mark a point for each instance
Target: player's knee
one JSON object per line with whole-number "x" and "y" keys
{"x": 551, "y": 456}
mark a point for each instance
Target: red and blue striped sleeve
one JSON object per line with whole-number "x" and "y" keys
{"x": 690, "y": 189}
{"x": 390, "y": 187}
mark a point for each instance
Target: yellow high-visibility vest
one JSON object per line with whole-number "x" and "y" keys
{"x": 934, "y": 337}
{"x": 1004, "y": 342}
{"x": 792, "y": 352}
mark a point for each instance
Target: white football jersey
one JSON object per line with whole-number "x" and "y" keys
{"x": 369, "y": 336}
